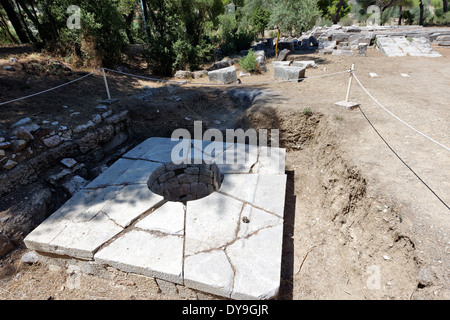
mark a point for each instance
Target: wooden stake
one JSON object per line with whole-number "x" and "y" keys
{"x": 106, "y": 84}
{"x": 350, "y": 83}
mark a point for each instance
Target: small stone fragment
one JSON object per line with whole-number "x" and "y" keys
{"x": 30, "y": 257}
{"x": 52, "y": 141}
{"x": 9, "y": 165}
{"x": 68, "y": 162}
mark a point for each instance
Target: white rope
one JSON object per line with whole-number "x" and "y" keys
{"x": 406, "y": 124}
{"x": 220, "y": 84}
{"x": 163, "y": 80}
{"x": 51, "y": 89}
{"x": 327, "y": 75}
{"x": 192, "y": 83}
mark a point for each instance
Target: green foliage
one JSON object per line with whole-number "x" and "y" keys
{"x": 189, "y": 56}
{"x": 260, "y": 19}
{"x": 346, "y": 21}
{"x": 294, "y": 15}
{"x": 307, "y": 112}
{"x": 230, "y": 36}
{"x": 249, "y": 63}
{"x": 408, "y": 17}
{"x": 329, "y": 8}
{"x": 164, "y": 31}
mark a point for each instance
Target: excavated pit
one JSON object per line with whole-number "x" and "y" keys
{"x": 185, "y": 182}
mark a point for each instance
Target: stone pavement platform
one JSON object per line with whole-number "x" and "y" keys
{"x": 223, "y": 234}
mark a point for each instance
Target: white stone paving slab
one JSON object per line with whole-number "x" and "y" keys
{"x": 74, "y": 239}
{"x": 78, "y": 228}
{"x": 130, "y": 203}
{"x": 257, "y": 264}
{"x": 211, "y": 222}
{"x": 270, "y": 161}
{"x": 257, "y": 189}
{"x": 269, "y": 188}
{"x": 149, "y": 145}
{"x": 240, "y": 186}
{"x": 256, "y": 220}
{"x": 153, "y": 255}
{"x": 167, "y": 219}
{"x": 209, "y": 272}
{"x": 125, "y": 171}
{"x": 237, "y": 159}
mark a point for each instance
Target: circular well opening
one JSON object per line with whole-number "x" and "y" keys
{"x": 185, "y": 182}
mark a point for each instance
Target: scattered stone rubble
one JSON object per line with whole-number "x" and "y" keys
{"x": 28, "y": 143}
{"x": 395, "y": 40}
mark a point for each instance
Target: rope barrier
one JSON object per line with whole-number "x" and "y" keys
{"x": 221, "y": 84}
{"x": 51, "y": 89}
{"x": 168, "y": 81}
{"x": 396, "y": 154}
{"x": 406, "y": 124}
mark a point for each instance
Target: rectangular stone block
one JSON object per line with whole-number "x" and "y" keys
{"x": 289, "y": 73}
{"x": 281, "y": 63}
{"x": 342, "y": 53}
{"x": 442, "y": 43}
{"x": 443, "y": 38}
{"x": 304, "y": 64}
{"x": 224, "y": 76}
{"x": 158, "y": 256}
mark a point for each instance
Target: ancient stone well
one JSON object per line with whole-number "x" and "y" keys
{"x": 185, "y": 182}
{"x": 226, "y": 242}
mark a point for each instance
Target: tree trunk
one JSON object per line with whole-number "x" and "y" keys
{"x": 27, "y": 30}
{"x": 421, "y": 12}
{"x": 338, "y": 10}
{"x": 33, "y": 17}
{"x": 400, "y": 16}
{"x": 15, "y": 21}
{"x": 129, "y": 22}
{"x": 445, "y": 5}
{"x": 5, "y": 26}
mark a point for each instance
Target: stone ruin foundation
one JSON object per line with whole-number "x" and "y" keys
{"x": 213, "y": 228}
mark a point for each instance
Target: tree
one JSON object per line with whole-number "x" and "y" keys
{"x": 294, "y": 15}
{"x": 164, "y": 30}
{"x": 260, "y": 19}
{"x": 445, "y": 5}
{"x": 421, "y": 19}
{"x": 401, "y": 4}
{"x": 15, "y": 21}
{"x": 4, "y": 31}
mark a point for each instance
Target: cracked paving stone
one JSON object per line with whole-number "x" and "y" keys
{"x": 131, "y": 202}
{"x": 169, "y": 219}
{"x": 125, "y": 171}
{"x": 145, "y": 253}
{"x": 209, "y": 272}
{"x": 257, "y": 262}
{"x": 204, "y": 219}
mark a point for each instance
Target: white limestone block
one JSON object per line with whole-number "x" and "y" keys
{"x": 141, "y": 252}
{"x": 209, "y": 272}
{"x": 257, "y": 264}
{"x": 167, "y": 219}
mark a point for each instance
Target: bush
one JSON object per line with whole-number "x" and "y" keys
{"x": 325, "y": 22}
{"x": 249, "y": 63}
{"x": 230, "y": 37}
{"x": 100, "y": 41}
{"x": 346, "y": 21}
{"x": 408, "y": 17}
{"x": 189, "y": 56}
